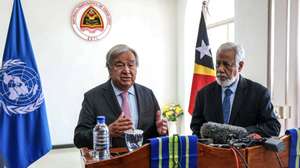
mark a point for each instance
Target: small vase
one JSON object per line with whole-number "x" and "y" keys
{"x": 172, "y": 128}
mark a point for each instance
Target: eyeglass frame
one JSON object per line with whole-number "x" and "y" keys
{"x": 122, "y": 65}
{"x": 226, "y": 64}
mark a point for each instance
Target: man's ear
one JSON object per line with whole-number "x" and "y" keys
{"x": 241, "y": 65}
{"x": 109, "y": 71}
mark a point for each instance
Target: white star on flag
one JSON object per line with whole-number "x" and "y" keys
{"x": 203, "y": 49}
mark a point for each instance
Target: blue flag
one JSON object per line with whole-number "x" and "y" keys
{"x": 294, "y": 154}
{"x": 24, "y": 132}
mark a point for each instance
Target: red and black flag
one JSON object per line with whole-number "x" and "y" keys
{"x": 204, "y": 72}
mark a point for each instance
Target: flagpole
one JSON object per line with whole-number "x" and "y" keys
{"x": 205, "y": 8}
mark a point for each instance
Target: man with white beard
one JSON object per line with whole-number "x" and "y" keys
{"x": 233, "y": 99}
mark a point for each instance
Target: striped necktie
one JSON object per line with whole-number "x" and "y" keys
{"x": 226, "y": 105}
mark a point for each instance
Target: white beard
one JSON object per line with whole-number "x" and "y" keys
{"x": 227, "y": 82}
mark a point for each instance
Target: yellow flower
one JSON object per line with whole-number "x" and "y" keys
{"x": 169, "y": 113}
{"x": 166, "y": 108}
{"x": 177, "y": 110}
{"x": 172, "y": 111}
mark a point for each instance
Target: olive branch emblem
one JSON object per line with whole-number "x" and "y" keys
{"x": 18, "y": 109}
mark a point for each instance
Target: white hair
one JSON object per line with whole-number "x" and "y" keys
{"x": 116, "y": 50}
{"x": 238, "y": 50}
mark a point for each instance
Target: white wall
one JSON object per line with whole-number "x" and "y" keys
{"x": 251, "y": 31}
{"x": 69, "y": 66}
{"x": 286, "y": 59}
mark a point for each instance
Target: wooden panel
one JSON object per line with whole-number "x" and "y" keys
{"x": 214, "y": 157}
{"x": 259, "y": 157}
{"x": 138, "y": 158}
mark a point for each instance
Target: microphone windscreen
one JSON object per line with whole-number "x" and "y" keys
{"x": 222, "y": 133}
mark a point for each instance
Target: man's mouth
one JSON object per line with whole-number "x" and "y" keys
{"x": 125, "y": 78}
{"x": 222, "y": 77}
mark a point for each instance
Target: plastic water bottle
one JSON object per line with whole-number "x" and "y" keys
{"x": 101, "y": 139}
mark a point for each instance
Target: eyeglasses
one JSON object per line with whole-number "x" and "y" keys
{"x": 226, "y": 64}
{"x": 123, "y": 65}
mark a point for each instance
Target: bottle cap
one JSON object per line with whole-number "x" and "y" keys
{"x": 101, "y": 119}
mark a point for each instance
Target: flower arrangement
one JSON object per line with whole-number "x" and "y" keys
{"x": 172, "y": 112}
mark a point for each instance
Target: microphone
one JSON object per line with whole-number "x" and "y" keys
{"x": 222, "y": 133}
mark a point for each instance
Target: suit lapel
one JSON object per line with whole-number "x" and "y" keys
{"x": 140, "y": 105}
{"x": 217, "y": 96}
{"x": 238, "y": 99}
{"x": 111, "y": 99}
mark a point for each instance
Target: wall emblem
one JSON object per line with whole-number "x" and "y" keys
{"x": 91, "y": 20}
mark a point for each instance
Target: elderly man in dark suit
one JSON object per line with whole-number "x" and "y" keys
{"x": 124, "y": 103}
{"x": 235, "y": 100}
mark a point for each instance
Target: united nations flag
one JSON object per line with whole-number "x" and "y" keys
{"x": 24, "y": 132}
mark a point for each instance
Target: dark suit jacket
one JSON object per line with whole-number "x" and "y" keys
{"x": 251, "y": 108}
{"x": 101, "y": 100}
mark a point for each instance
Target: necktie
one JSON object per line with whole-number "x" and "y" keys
{"x": 226, "y": 105}
{"x": 125, "y": 104}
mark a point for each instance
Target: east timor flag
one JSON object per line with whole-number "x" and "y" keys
{"x": 204, "y": 72}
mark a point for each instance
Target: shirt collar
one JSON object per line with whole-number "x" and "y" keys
{"x": 118, "y": 91}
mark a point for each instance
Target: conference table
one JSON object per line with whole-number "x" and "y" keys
{"x": 208, "y": 157}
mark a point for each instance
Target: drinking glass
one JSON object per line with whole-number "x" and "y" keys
{"x": 134, "y": 139}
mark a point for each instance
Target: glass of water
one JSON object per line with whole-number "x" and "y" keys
{"x": 134, "y": 139}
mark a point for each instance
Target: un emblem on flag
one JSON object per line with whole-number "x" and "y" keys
{"x": 20, "y": 88}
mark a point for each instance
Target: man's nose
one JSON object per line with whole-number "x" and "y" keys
{"x": 220, "y": 68}
{"x": 126, "y": 68}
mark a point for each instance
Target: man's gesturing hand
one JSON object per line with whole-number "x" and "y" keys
{"x": 118, "y": 127}
{"x": 161, "y": 124}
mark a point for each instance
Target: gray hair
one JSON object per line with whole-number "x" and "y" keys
{"x": 116, "y": 50}
{"x": 238, "y": 50}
